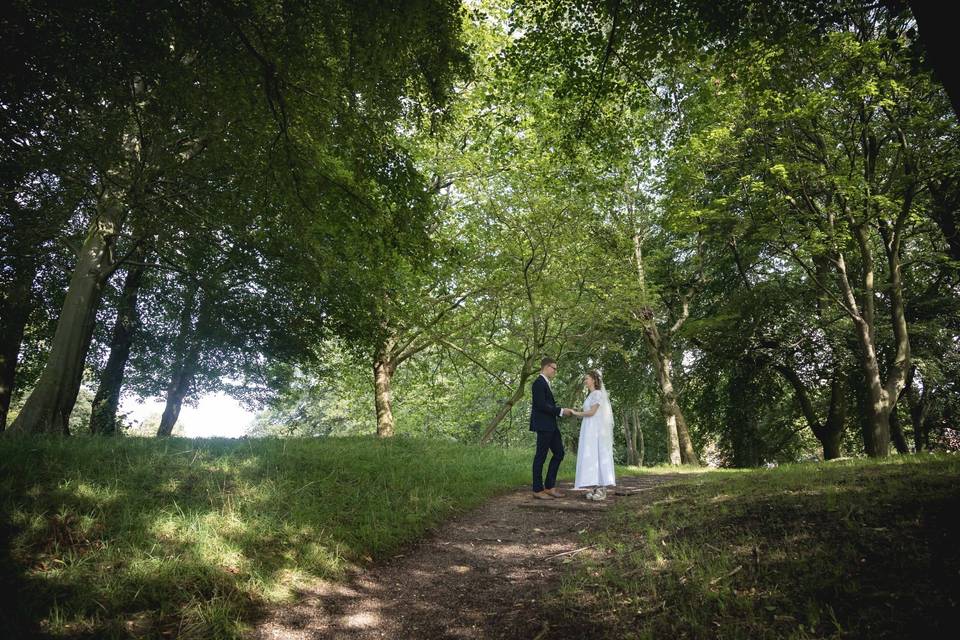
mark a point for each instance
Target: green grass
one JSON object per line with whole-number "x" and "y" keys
{"x": 151, "y": 538}
{"x": 841, "y": 550}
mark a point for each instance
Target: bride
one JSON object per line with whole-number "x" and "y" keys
{"x": 595, "y": 449}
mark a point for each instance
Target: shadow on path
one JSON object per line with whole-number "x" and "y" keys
{"x": 481, "y": 575}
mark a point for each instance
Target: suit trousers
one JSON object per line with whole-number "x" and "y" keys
{"x": 547, "y": 441}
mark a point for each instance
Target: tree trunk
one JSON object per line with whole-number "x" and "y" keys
{"x": 178, "y": 390}
{"x": 48, "y": 408}
{"x": 17, "y": 303}
{"x": 183, "y": 369}
{"x": 882, "y": 394}
{"x": 876, "y": 403}
{"x": 626, "y": 437}
{"x": 945, "y": 211}
{"x": 829, "y": 432}
{"x": 741, "y": 414}
{"x": 103, "y": 416}
{"x": 668, "y": 406}
{"x": 896, "y": 433}
{"x": 639, "y": 433}
{"x": 507, "y": 407}
{"x": 876, "y": 434}
{"x": 919, "y": 407}
{"x": 673, "y": 440}
{"x": 935, "y": 26}
{"x": 503, "y": 412}
{"x": 383, "y": 370}
{"x": 679, "y": 446}
{"x": 629, "y": 438}
{"x": 830, "y": 441}
{"x": 687, "y": 453}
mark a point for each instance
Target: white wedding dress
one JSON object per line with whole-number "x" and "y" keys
{"x": 595, "y": 449}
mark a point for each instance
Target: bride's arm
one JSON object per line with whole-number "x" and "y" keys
{"x": 587, "y": 414}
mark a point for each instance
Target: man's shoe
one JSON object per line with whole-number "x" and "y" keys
{"x": 556, "y": 493}
{"x": 542, "y": 495}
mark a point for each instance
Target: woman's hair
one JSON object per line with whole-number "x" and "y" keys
{"x": 597, "y": 380}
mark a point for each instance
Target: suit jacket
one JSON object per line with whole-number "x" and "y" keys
{"x": 543, "y": 410}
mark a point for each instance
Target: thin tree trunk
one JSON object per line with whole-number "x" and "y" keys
{"x": 103, "y": 416}
{"x": 507, "y": 406}
{"x": 184, "y": 365}
{"x": 918, "y": 413}
{"x": 628, "y": 438}
{"x": 896, "y": 433}
{"x": 179, "y": 389}
{"x": 383, "y": 370}
{"x": 639, "y": 434}
{"x": 17, "y": 303}
{"x": 48, "y": 408}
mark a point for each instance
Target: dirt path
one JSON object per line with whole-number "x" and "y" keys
{"x": 478, "y": 576}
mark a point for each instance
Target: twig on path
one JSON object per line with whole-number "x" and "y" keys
{"x": 719, "y": 578}
{"x": 568, "y": 553}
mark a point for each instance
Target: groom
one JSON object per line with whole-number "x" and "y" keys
{"x": 543, "y": 420}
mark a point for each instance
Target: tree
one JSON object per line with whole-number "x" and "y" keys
{"x": 193, "y": 66}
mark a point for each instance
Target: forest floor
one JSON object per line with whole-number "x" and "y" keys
{"x": 482, "y": 575}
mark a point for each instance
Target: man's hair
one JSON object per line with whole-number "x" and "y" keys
{"x": 547, "y": 361}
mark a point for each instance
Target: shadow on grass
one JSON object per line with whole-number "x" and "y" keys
{"x": 145, "y": 538}
{"x": 858, "y": 551}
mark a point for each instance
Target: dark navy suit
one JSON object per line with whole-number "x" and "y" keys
{"x": 543, "y": 420}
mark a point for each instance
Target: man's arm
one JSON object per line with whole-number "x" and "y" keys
{"x": 540, "y": 401}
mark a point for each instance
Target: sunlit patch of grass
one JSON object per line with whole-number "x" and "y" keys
{"x": 190, "y": 538}
{"x": 849, "y": 549}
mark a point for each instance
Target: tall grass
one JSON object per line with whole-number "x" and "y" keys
{"x": 142, "y": 537}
